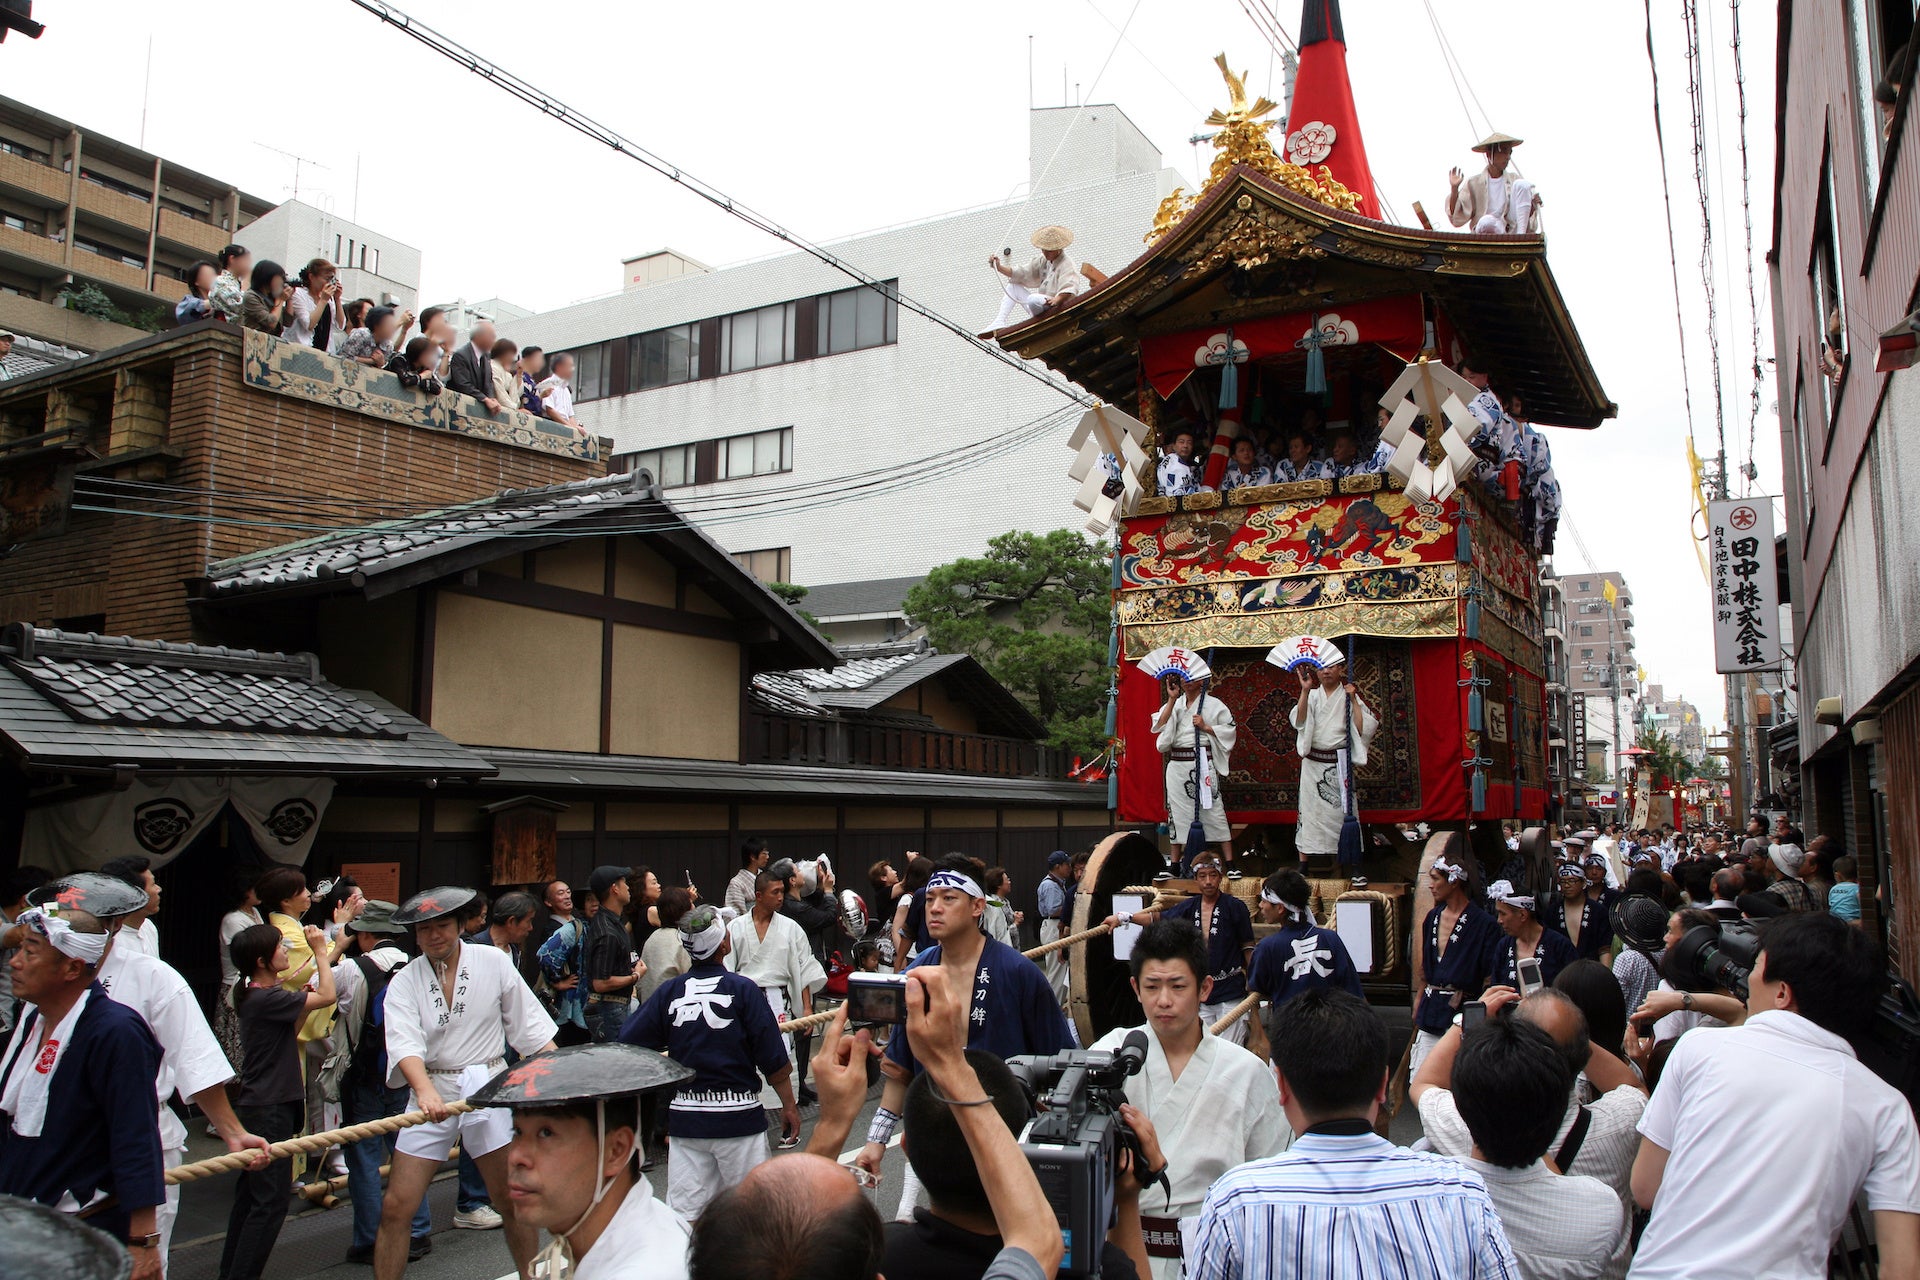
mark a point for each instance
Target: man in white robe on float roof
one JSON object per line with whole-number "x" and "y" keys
{"x": 1328, "y": 746}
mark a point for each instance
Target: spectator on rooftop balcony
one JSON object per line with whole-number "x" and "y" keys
{"x": 357, "y": 313}
{"x": 506, "y": 373}
{"x": 533, "y": 363}
{"x": 557, "y": 393}
{"x": 472, "y": 369}
{"x": 267, "y": 304}
{"x": 195, "y": 306}
{"x": 372, "y": 344}
{"x": 316, "y": 317}
{"x": 416, "y": 366}
{"x": 434, "y": 324}
{"x": 230, "y": 286}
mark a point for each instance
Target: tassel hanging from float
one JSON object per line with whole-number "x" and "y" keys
{"x": 1473, "y": 610}
{"x": 1463, "y": 535}
{"x": 1316, "y": 362}
{"x": 1229, "y": 377}
{"x": 1476, "y": 709}
{"x": 1479, "y": 789}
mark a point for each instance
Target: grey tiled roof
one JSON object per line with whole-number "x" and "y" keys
{"x": 104, "y": 700}
{"x": 854, "y": 599}
{"x": 872, "y": 674}
{"x": 370, "y": 549}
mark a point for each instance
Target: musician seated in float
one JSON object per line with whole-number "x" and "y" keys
{"x": 1177, "y": 475}
{"x": 1344, "y": 456}
{"x": 1300, "y": 464}
{"x": 1245, "y": 470}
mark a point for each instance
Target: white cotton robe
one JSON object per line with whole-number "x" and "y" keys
{"x": 1223, "y": 1111}
{"x": 492, "y": 1007}
{"x": 782, "y": 965}
{"x": 1322, "y": 726}
{"x": 1182, "y": 796}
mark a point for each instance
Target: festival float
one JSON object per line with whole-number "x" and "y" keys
{"x": 1276, "y": 293}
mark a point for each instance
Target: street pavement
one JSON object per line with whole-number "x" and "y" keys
{"x": 314, "y": 1241}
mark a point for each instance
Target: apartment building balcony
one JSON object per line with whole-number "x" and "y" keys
{"x": 201, "y": 239}
{"x": 38, "y": 182}
{"x": 107, "y": 270}
{"x": 31, "y": 251}
{"x": 128, "y": 213}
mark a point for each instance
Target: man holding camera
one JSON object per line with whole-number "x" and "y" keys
{"x": 1211, "y": 1100}
{"x": 1832, "y": 1127}
{"x": 1010, "y": 1011}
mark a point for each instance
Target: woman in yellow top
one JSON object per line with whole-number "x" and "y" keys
{"x": 284, "y": 899}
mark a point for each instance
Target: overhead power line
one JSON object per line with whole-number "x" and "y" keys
{"x": 1666, "y": 199}
{"x": 536, "y": 97}
{"x": 1753, "y": 302}
{"x": 1690, "y": 17}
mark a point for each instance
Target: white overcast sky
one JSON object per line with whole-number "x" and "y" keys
{"x": 839, "y": 117}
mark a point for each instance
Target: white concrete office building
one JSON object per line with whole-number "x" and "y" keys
{"x": 784, "y": 407}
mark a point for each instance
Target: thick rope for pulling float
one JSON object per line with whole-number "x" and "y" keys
{"x": 308, "y": 1144}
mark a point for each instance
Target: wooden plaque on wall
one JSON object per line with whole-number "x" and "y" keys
{"x": 524, "y": 840}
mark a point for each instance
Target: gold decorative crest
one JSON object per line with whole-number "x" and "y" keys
{"x": 1241, "y": 138}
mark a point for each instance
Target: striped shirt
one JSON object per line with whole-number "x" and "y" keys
{"x": 1350, "y": 1208}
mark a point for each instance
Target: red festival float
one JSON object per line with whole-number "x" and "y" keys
{"x": 1271, "y": 299}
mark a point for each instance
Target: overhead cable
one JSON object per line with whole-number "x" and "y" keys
{"x": 535, "y": 97}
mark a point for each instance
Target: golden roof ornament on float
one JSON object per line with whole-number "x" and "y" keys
{"x": 1242, "y": 140}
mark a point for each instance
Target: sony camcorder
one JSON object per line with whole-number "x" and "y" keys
{"x": 1074, "y": 1143}
{"x": 1707, "y": 959}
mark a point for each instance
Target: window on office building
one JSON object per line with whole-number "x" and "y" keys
{"x": 755, "y": 339}
{"x": 1829, "y": 297}
{"x": 1586, "y": 630}
{"x": 672, "y": 467}
{"x": 853, "y": 319}
{"x": 664, "y": 357}
{"x": 774, "y": 564}
{"x": 592, "y": 367}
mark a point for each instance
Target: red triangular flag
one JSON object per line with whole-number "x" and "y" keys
{"x": 1323, "y": 128}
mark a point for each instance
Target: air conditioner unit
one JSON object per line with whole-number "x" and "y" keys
{"x": 1899, "y": 346}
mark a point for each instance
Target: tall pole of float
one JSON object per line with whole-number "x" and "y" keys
{"x": 1113, "y": 679}
{"x": 1613, "y": 698}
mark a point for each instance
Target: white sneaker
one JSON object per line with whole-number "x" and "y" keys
{"x": 485, "y": 1218}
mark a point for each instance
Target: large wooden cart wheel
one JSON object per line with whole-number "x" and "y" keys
{"x": 1537, "y": 849}
{"x": 1102, "y": 996}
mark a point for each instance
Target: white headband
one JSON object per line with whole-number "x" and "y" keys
{"x": 85, "y": 947}
{"x": 1268, "y": 895}
{"x": 1454, "y": 875}
{"x": 704, "y": 943}
{"x": 1503, "y": 891}
{"x": 955, "y": 880}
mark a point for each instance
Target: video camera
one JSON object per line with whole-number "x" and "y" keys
{"x": 1075, "y": 1141}
{"x": 1707, "y": 958}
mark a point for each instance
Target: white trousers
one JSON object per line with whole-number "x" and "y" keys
{"x": 912, "y": 1196}
{"x": 1021, "y": 303}
{"x": 168, "y": 1211}
{"x": 1054, "y": 963}
{"x": 1423, "y": 1043}
{"x": 1236, "y": 1032}
{"x": 1515, "y": 218}
{"x": 698, "y": 1169}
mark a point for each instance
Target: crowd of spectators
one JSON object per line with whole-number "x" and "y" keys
{"x": 310, "y": 308}
{"x": 1572, "y": 1126}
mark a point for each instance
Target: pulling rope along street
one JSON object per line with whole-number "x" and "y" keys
{"x": 308, "y": 1144}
